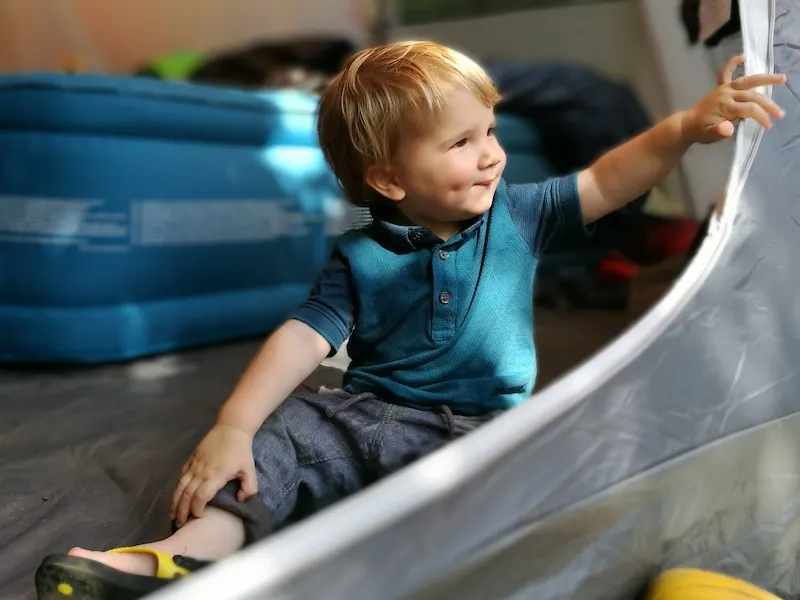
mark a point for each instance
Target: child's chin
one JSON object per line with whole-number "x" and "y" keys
{"x": 482, "y": 205}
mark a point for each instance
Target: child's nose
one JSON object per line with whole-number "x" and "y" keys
{"x": 488, "y": 160}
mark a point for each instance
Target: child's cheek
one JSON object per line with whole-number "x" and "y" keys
{"x": 463, "y": 173}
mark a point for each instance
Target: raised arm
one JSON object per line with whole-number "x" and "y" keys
{"x": 632, "y": 169}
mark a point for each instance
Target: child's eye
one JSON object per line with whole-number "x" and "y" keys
{"x": 460, "y": 143}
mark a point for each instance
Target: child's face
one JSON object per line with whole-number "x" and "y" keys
{"x": 450, "y": 174}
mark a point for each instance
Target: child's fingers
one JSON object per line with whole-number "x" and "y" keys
{"x": 187, "y": 466}
{"x": 751, "y": 110}
{"x": 761, "y": 79}
{"x": 184, "y": 504}
{"x": 185, "y": 480}
{"x": 767, "y": 104}
{"x": 249, "y": 484}
{"x": 726, "y": 73}
{"x": 204, "y": 494}
{"x": 726, "y": 129}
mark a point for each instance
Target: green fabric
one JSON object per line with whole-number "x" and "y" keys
{"x": 176, "y": 65}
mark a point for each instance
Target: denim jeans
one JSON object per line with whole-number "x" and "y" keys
{"x": 319, "y": 448}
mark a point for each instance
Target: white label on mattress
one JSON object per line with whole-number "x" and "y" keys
{"x": 339, "y": 215}
{"x": 171, "y": 223}
{"x": 88, "y": 224}
{"x": 63, "y": 222}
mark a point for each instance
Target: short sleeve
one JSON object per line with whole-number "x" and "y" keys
{"x": 546, "y": 210}
{"x": 329, "y": 308}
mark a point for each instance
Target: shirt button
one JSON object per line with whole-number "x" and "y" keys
{"x": 444, "y": 254}
{"x": 444, "y": 297}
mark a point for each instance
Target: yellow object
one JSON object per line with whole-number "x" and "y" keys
{"x": 65, "y": 589}
{"x": 166, "y": 567}
{"x": 694, "y": 584}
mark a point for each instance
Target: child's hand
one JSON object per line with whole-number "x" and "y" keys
{"x": 225, "y": 454}
{"x": 711, "y": 119}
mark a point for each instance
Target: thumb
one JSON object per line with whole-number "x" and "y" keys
{"x": 249, "y": 484}
{"x": 725, "y": 129}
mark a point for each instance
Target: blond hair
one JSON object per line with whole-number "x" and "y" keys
{"x": 382, "y": 97}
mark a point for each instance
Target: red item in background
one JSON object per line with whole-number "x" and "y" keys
{"x": 615, "y": 268}
{"x": 659, "y": 239}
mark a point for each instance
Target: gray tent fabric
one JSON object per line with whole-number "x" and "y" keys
{"x": 678, "y": 445}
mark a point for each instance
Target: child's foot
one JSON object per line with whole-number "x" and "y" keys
{"x": 138, "y": 564}
{"x": 122, "y": 573}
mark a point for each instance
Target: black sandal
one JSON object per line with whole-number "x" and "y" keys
{"x": 62, "y": 577}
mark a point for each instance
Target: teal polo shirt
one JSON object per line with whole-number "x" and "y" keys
{"x": 435, "y": 323}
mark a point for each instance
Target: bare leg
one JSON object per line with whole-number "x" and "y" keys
{"x": 214, "y": 536}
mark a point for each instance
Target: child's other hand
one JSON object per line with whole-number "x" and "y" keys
{"x": 711, "y": 119}
{"x": 225, "y": 454}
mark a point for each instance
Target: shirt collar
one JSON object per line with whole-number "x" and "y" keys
{"x": 413, "y": 237}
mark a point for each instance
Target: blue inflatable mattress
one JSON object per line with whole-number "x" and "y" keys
{"x": 141, "y": 216}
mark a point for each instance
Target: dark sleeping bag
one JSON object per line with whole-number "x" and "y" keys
{"x": 579, "y": 114}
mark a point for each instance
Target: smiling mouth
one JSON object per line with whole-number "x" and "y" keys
{"x": 487, "y": 182}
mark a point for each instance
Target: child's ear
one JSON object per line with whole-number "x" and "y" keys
{"x": 382, "y": 180}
